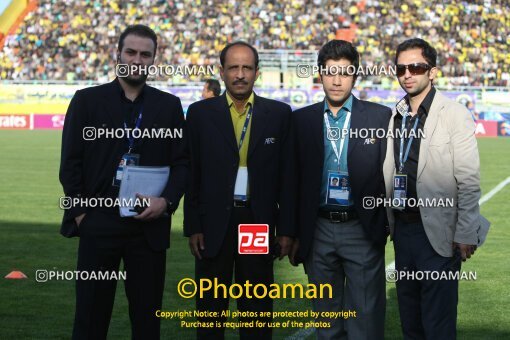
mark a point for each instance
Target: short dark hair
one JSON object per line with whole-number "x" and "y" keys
{"x": 428, "y": 52}
{"x": 141, "y": 31}
{"x": 214, "y": 86}
{"x": 224, "y": 51}
{"x": 336, "y": 50}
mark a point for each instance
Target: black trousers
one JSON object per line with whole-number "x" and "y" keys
{"x": 145, "y": 277}
{"x": 258, "y": 269}
{"x": 428, "y": 308}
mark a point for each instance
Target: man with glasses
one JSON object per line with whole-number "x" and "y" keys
{"x": 434, "y": 155}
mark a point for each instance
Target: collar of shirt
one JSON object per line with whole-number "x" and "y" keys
{"x": 346, "y": 107}
{"x": 403, "y": 105}
{"x": 122, "y": 94}
{"x": 250, "y": 101}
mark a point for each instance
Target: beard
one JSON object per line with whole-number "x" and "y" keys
{"x": 136, "y": 81}
{"x": 133, "y": 80}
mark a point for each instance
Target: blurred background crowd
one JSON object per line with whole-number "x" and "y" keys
{"x": 77, "y": 40}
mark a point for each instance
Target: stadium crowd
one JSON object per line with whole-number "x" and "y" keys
{"x": 76, "y": 40}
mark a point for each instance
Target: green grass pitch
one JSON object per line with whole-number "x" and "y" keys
{"x": 29, "y": 240}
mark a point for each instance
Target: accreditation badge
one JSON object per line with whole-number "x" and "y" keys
{"x": 241, "y": 187}
{"x": 399, "y": 191}
{"x": 339, "y": 189}
{"x": 126, "y": 160}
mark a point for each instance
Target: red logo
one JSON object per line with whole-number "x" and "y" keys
{"x": 253, "y": 239}
{"x": 21, "y": 122}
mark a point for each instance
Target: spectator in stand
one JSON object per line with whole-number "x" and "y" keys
{"x": 72, "y": 40}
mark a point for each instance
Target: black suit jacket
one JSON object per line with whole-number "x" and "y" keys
{"x": 214, "y": 160}
{"x": 88, "y": 167}
{"x": 364, "y": 163}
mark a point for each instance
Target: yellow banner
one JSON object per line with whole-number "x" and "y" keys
{"x": 26, "y": 99}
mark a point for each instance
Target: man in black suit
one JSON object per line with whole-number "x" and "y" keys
{"x": 89, "y": 168}
{"x": 340, "y": 242}
{"x": 239, "y": 143}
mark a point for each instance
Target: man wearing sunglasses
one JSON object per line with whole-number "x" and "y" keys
{"x": 434, "y": 157}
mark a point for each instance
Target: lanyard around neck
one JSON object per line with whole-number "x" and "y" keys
{"x": 245, "y": 127}
{"x": 131, "y": 139}
{"x": 403, "y": 156}
{"x": 338, "y": 151}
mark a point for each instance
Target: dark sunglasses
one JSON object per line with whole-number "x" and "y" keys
{"x": 414, "y": 69}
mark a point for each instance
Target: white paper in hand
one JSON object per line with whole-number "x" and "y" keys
{"x": 144, "y": 180}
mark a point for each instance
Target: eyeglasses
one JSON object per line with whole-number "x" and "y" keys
{"x": 414, "y": 69}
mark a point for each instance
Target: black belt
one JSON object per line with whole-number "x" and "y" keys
{"x": 408, "y": 216}
{"x": 241, "y": 204}
{"x": 338, "y": 216}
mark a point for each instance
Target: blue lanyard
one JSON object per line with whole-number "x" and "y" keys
{"x": 404, "y": 158}
{"x": 245, "y": 127}
{"x": 338, "y": 152}
{"x": 131, "y": 139}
